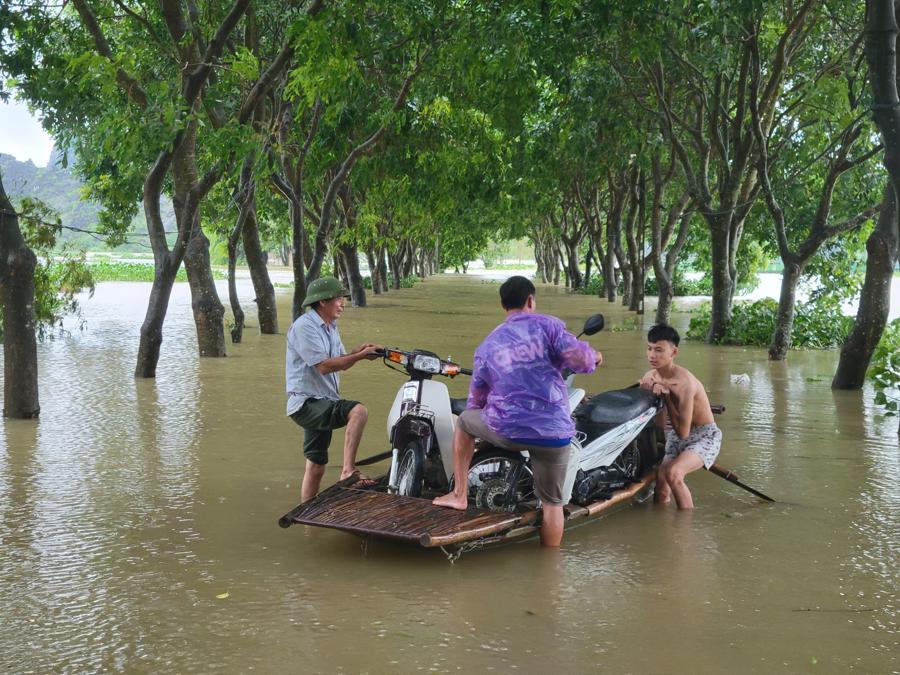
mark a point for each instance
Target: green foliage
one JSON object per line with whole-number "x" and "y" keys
{"x": 818, "y": 324}
{"x": 494, "y": 253}
{"x": 885, "y": 369}
{"x": 59, "y": 276}
{"x": 405, "y": 282}
{"x": 128, "y": 271}
{"x": 683, "y": 285}
{"x": 56, "y": 285}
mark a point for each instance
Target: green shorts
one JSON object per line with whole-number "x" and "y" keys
{"x": 318, "y": 416}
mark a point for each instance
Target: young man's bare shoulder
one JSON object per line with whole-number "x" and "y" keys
{"x": 685, "y": 378}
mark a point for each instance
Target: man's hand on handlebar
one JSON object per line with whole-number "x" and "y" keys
{"x": 369, "y": 351}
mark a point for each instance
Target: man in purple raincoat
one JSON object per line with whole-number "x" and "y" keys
{"x": 519, "y": 401}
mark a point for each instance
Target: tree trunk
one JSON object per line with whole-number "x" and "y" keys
{"x": 382, "y": 266}
{"x": 259, "y": 275}
{"x": 625, "y": 271}
{"x": 664, "y": 299}
{"x": 237, "y": 330}
{"x": 157, "y": 306}
{"x": 209, "y": 314}
{"x": 573, "y": 273}
{"x": 588, "y": 260}
{"x": 299, "y": 246}
{"x": 875, "y": 299}
{"x": 394, "y": 260}
{"x": 350, "y": 258}
{"x": 20, "y": 366}
{"x": 609, "y": 269}
{"x": 373, "y": 273}
{"x": 722, "y": 282}
{"x": 784, "y": 318}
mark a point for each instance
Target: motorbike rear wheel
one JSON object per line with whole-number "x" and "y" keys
{"x": 411, "y": 470}
{"x": 500, "y": 480}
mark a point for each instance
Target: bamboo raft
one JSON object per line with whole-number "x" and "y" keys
{"x": 369, "y": 512}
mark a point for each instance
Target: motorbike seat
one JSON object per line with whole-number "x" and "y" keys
{"x": 457, "y": 405}
{"x": 615, "y": 407}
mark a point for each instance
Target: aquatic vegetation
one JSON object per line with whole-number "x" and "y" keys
{"x": 885, "y": 369}
{"x": 818, "y": 324}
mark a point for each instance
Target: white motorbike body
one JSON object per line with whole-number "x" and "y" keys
{"x": 432, "y": 397}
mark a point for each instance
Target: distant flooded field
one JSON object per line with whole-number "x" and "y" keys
{"x": 138, "y": 519}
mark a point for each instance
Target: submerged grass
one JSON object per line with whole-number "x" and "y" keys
{"x": 130, "y": 271}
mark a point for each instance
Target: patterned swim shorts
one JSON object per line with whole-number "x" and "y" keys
{"x": 705, "y": 440}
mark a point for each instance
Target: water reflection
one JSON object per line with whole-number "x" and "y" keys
{"x": 137, "y": 519}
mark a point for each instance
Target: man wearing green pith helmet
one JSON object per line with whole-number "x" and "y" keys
{"x": 315, "y": 358}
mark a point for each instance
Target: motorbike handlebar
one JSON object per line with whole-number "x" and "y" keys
{"x": 408, "y": 360}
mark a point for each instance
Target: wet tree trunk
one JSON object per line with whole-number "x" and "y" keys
{"x": 166, "y": 267}
{"x": 209, "y": 314}
{"x": 350, "y": 259}
{"x": 20, "y": 365}
{"x": 883, "y": 245}
{"x": 166, "y": 264}
{"x": 259, "y": 275}
{"x": 723, "y": 282}
{"x": 634, "y": 250}
{"x": 665, "y": 272}
{"x": 373, "y": 272}
{"x": 396, "y": 273}
{"x": 382, "y": 266}
{"x": 588, "y": 260}
{"x": 237, "y": 330}
{"x": 875, "y": 300}
{"x": 573, "y": 273}
{"x": 299, "y": 246}
{"x": 784, "y": 317}
{"x": 409, "y": 258}
{"x": 609, "y": 269}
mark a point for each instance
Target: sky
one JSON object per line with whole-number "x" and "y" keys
{"x": 21, "y": 134}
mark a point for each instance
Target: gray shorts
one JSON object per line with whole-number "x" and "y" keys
{"x": 705, "y": 440}
{"x": 549, "y": 466}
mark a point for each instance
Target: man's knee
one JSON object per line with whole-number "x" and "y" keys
{"x": 675, "y": 475}
{"x": 315, "y": 469}
{"x": 359, "y": 413}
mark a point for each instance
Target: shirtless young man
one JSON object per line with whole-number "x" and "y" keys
{"x": 692, "y": 437}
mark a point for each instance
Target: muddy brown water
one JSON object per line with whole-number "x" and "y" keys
{"x": 138, "y": 520}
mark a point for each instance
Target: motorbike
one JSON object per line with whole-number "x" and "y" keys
{"x": 615, "y": 443}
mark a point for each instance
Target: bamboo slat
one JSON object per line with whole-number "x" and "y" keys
{"x": 413, "y": 520}
{"x": 623, "y": 495}
{"x": 407, "y": 519}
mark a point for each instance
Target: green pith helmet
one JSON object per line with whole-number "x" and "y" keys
{"x": 324, "y": 288}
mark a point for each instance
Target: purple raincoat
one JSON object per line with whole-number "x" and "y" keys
{"x": 516, "y": 378}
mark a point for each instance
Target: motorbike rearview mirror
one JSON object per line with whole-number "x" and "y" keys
{"x": 594, "y": 324}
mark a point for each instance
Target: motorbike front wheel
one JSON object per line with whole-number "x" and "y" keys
{"x": 500, "y": 480}
{"x": 411, "y": 470}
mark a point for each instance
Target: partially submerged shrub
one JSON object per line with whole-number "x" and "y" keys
{"x": 818, "y": 324}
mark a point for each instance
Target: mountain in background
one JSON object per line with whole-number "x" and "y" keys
{"x": 59, "y": 188}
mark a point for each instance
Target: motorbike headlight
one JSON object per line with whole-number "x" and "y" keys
{"x": 426, "y": 363}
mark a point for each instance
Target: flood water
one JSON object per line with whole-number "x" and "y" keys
{"x": 138, "y": 519}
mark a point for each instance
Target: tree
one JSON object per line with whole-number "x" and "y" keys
{"x": 702, "y": 83}
{"x": 20, "y": 366}
{"x": 818, "y": 150}
{"x": 883, "y": 245}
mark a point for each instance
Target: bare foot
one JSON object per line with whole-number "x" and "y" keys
{"x": 450, "y": 500}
